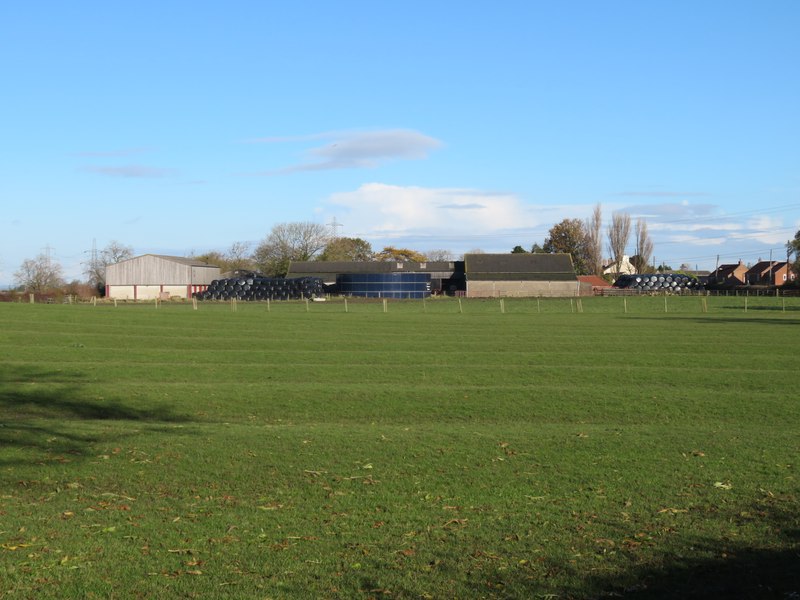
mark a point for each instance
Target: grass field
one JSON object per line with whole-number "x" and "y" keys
{"x": 642, "y": 448}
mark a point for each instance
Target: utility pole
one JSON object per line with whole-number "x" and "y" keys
{"x": 772, "y": 275}
{"x": 47, "y": 250}
{"x": 334, "y": 228}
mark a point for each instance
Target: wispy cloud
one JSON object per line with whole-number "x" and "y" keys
{"x": 663, "y": 194}
{"x": 670, "y": 210}
{"x": 130, "y": 171}
{"x": 358, "y": 150}
{"x": 112, "y": 153}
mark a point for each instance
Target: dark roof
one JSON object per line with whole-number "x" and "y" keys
{"x": 327, "y": 268}
{"x": 727, "y": 269}
{"x": 519, "y": 267}
{"x": 766, "y": 266}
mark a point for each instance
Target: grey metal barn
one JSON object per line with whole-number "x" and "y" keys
{"x": 154, "y": 276}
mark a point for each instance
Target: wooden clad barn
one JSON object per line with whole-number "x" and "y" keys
{"x": 155, "y": 276}
{"x": 520, "y": 275}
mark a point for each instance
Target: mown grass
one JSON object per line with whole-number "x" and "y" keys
{"x": 438, "y": 450}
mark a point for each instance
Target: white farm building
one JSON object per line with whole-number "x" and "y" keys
{"x": 154, "y": 276}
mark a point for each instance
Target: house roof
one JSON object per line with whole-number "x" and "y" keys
{"x": 594, "y": 281}
{"x": 610, "y": 262}
{"x": 519, "y": 267}
{"x": 728, "y": 269}
{"x": 766, "y": 266}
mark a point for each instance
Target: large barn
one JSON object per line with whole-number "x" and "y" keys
{"x": 477, "y": 276}
{"x": 520, "y": 275}
{"x": 444, "y": 277}
{"x": 154, "y": 276}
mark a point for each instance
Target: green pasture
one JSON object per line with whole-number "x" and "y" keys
{"x": 613, "y": 447}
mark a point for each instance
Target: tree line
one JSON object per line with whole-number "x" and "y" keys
{"x": 583, "y": 240}
{"x": 303, "y": 241}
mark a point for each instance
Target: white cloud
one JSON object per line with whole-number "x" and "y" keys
{"x": 358, "y": 150}
{"x": 398, "y": 210}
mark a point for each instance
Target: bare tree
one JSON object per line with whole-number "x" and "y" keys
{"x": 594, "y": 242}
{"x": 115, "y": 252}
{"x": 287, "y": 242}
{"x": 619, "y": 231}
{"x": 39, "y": 274}
{"x": 440, "y": 254}
{"x": 644, "y": 245}
{"x": 95, "y": 269}
{"x": 238, "y": 257}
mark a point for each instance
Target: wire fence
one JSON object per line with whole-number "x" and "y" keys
{"x": 623, "y": 304}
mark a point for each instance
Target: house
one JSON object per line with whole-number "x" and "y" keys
{"x": 728, "y": 275}
{"x": 154, "y": 276}
{"x": 623, "y": 267}
{"x": 520, "y": 275}
{"x": 769, "y": 272}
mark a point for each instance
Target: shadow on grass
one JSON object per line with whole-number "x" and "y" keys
{"x": 43, "y": 410}
{"x": 728, "y": 569}
{"x": 705, "y": 569}
{"x": 744, "y": 318}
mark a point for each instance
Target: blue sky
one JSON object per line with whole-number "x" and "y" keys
{"x": 178, "y": 127}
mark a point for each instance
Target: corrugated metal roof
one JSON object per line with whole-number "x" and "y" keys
{"x": 192, "y": 262}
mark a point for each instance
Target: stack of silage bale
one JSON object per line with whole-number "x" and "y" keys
{"x": 675, "y": 283}
{"x": 255, "y": 287}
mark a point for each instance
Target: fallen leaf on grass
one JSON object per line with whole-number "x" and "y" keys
{"x": 673, "y": 511}
{"x": 455, "y": 522}
{"x": 723, "y": 485}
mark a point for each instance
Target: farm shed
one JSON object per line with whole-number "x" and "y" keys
{"x": 444, "y": 276}
{"x": 593, "y": 285}
{"x": 520, "y": 275}
{"x": 155, "y": 276}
